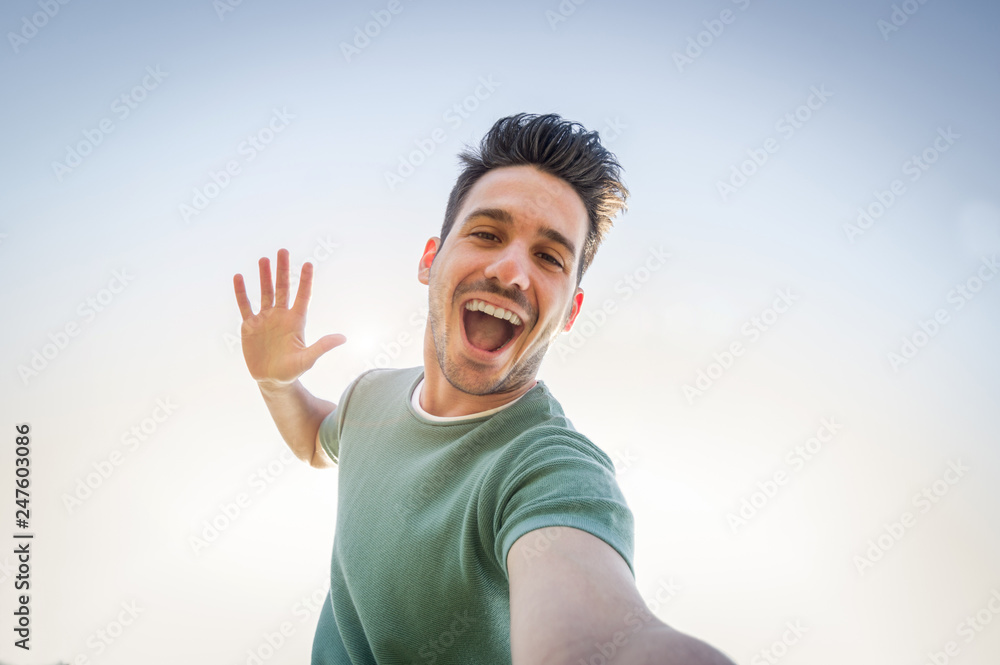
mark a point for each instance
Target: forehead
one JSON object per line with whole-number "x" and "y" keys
{"x": 534, "y": 199}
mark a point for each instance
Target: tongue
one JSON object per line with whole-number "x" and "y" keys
{"x": 485, "y": 331}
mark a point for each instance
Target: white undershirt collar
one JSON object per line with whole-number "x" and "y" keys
{"x": 415, "y": 400}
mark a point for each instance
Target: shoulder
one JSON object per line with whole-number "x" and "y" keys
{"x": 379, "y": 383}
{"x": 375, "y": 397}
{"x": 553, "y": 442}
{"x": 544, "y": 450}
{"x": 386, "y": 377}
{"x": 541, "y": 429}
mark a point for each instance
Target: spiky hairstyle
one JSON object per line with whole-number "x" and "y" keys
{"x": 556, "y": 146}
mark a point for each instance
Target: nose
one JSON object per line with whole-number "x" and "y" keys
{"x": 510, "y": 267}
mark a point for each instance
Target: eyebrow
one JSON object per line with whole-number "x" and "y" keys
{"x": 505, "y": 218}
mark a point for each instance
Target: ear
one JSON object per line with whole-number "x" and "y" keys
{"x": 577, "y": 304}
{"x": 426, "y": 259}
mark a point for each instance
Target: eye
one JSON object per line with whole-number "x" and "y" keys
{"x": 485, "y": 235}
{"x": 551, "y": 259}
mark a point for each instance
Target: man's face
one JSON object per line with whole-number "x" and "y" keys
{"x": 515, "y": 245}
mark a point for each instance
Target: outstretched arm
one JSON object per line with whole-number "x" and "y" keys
{"x": 576, "y": 602}
{"x": 276, "y": 355}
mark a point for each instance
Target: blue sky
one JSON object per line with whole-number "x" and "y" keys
{"x": 750, "y": 133}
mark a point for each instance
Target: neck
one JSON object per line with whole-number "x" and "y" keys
{"x": 440, "y": 398}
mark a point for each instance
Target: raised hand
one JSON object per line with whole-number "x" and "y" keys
{"x": 273, "y": 339}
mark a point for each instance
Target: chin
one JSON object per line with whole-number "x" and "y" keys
{"x": 474, "y": 379}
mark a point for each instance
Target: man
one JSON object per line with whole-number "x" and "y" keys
{"x": 474, "y": 524}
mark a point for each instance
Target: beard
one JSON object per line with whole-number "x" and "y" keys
{"x": 466, "y": 375}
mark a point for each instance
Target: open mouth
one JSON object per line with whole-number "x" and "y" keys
{"x": 490, "y": 328}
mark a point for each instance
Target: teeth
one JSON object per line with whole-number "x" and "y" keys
{"x": 499, "y": 312}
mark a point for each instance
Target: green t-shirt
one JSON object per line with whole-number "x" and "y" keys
{"x": 427, "y": 511}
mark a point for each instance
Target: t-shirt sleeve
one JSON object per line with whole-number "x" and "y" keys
{"x": 332, "y": 425}
{"x": 329, "y": 433}
{"x": 563, "y": 481}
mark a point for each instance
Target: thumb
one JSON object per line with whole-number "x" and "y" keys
{"x": 321, "y": 346}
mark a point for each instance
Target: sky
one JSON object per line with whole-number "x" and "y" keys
{"x": 787, "y": 342}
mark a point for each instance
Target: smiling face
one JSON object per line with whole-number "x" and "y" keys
{"x": 503, "y": 283}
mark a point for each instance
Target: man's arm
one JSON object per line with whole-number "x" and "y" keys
{"x": 298, "y": 414}
{"x": 573, "y": 598}
{"x": 276, "y": 355}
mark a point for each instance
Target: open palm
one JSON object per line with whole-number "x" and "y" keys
{"x": 273, "y": 340}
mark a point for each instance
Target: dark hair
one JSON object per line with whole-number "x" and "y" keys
{"x": 556, "y": 146}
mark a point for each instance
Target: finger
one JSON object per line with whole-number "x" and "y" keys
{"x": 266, "y": 287}
{"x": 281, "y": 299}
{"x": 321, "y": 346}
{"x": 305, "y": 289}
{"x": 241, "y": 297}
